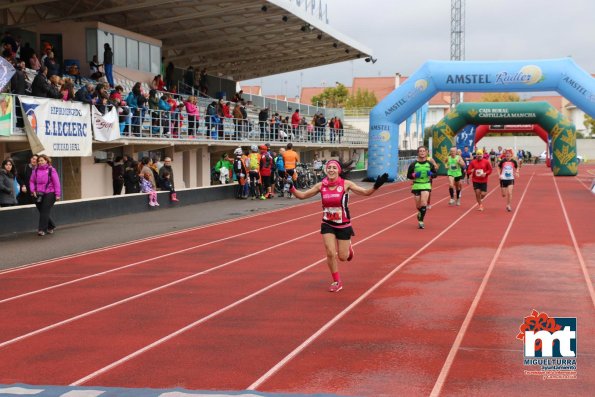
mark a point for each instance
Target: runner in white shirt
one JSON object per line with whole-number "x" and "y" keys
{"x": 508, "y": 169}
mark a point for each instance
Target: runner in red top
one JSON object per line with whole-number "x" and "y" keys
{"x": 336, "y": 227}
{"x": 508, "y": 169}
{"x": 479, "y": 169}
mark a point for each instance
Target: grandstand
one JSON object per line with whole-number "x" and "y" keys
{"x": 232, "y": 41}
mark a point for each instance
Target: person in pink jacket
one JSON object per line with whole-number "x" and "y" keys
{"x": 191, "y": 105}
{"x": 44, "y": 186}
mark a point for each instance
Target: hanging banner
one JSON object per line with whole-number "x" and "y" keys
{"x": 6, "y": 107}
{"x": 62, "y": 128}
{"x": 6, "y": 72}
{"x": 106, "y": 127}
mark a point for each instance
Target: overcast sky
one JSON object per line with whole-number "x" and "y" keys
{"x": 403, "y": 34}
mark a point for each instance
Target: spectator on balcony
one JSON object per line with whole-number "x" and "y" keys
{"x": 203, "y": 85}
{"x": 154, "y": 109}
{"x": 67, "y": 90}
{"x": 94, "y": 66}
{"x": 18, "y": 83}
{"x": 263, "y": 116}
{"x": 169, "y": 76}
{"x": 227, "y": 110}
{"x": 9, "y": 40}
{"x": 133, "y": 102}
{"x": 26, "y": 54}
{"x": 52, "y": 65}
{"x": 191, "y": 105}
{"x": 165, "y": 108}
{"x": 238, "y": 119}
{"x": 320, "y": 128}
{"x": 295, "y": 121}
{"x": 85, "y": 94}
{"x": 108, "y": 63}
{"x": 189, "y": 80}
{"x": 34, "y": 62}
{"x": 339, "y": 128}
{"x": 158, "y": 84}
{"x": 238, "y": 97}
{"x": 102, "y": 97}
{"x": 331, "y": 127}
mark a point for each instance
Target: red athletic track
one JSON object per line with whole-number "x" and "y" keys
{"x": 432, "y": 311}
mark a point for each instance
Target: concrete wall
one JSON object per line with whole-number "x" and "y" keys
{"x": 25, "y": 218}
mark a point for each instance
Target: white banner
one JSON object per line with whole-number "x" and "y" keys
{"x": 106, "y": 127}
{"x": 62, "y": 128}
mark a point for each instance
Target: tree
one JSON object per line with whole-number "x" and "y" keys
{"x": 332, "y": 97}
{"x": 590, "y": 124}
{"x": 500, "y": 97}
{"x": 361, "y": 99}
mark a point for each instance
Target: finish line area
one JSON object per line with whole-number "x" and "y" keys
{"x": 241, "y": 305}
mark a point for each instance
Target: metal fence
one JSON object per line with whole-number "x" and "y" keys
{"x": 160, "y": 124}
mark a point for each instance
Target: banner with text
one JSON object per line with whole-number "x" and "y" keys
{"x": 106, "y": 127}
{"x": 62, "y": 128}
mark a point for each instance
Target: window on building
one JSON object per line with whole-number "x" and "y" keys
{"x": 91, "y": 36}
{"x": 144, "y": 57}
{"x": 131, "y": 54}
{"x": 120, "y": 51}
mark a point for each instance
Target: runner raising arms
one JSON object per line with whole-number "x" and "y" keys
{"x": 455, "y": 166}
{"x": 508, "y": 169}
{"x": 336, "y": 227}
{"x": 421, "y": 171}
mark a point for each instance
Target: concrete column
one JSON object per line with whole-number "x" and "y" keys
{"x": 189, "y": 169}
{"x": 203, "y": 167}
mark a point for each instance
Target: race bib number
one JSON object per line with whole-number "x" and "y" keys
{"x": 507, "y": 172}
{"x": 333, "y": 214}
{"x": 478, "y": 172}
{"x": 453, "y": 167}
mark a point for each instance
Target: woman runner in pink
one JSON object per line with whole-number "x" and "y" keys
{"x": 336, "y": 227}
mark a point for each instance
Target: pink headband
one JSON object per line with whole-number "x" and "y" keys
{"x": 336, "y": 163}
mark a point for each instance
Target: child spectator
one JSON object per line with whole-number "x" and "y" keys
{"x": 147, "y": 186}
{"x": 167, "y": 185}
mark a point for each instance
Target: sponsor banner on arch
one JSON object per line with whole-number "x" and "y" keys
{"x": 63, "y": 129}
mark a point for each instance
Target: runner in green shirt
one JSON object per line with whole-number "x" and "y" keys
{"x": 454, "y": 170}
{"x": 421, "y": 172}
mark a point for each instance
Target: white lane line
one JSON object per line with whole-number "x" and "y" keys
{"x": 576, "y": 247}
{"x": 145, "y": 293}
{"x": 188, "y": 230}
{"x": 356, "y": 302}
{"x": 164, "y": 256}
{"x": 224, "y": 309}
{"x": 465, "y": 325}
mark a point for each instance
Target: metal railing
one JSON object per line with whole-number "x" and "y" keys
{"x": 144, "y": 123}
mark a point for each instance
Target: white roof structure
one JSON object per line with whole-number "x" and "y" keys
{"x": 238, "y": 39}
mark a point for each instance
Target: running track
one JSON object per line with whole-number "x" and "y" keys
{"x": 243, "y": 304}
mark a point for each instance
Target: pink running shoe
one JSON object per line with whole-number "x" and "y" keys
{"x": 350, "y": 257}
{"x": 336, "y": 286}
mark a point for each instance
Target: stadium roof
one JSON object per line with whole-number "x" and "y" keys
{"x": 241, "y": 39}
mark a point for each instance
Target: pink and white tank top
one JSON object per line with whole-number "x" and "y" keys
{"x": 334, "y": 204}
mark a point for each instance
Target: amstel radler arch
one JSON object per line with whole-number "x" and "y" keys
{"x": 562, "y": 132}
{"x": 561, "y": 75}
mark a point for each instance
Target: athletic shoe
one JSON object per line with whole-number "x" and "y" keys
{"x": 152, "y": 204}
{"x": 429, "y": 206}
{"x": 421, "y": 225}
{"x": 480, "y": 208}
{"x": 451, "y": 202}
{"x": 458, "y": 201}
{"x": 41, "y": 233}
{"x": 336, "y": 286}
{"x": 262, "y": 198}
{"x": 50, "y": 231}
{"x": 508, "y": 208}
{"x": 350, "y": 257}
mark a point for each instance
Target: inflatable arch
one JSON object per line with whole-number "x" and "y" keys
{"x": 561, "y": 75}
{"x": 562, "y": 131}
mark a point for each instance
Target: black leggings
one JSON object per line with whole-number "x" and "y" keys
{"x": 45, "y": 209}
